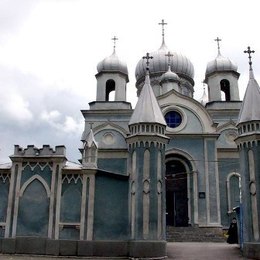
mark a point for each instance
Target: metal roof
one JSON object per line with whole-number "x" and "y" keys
{"x": 250, "y": 109}
{"x": 147, "y": 109}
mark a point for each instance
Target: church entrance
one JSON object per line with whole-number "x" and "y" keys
{"x": 176, "y": 193}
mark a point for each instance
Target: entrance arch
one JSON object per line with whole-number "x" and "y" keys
{"x": 179, "y": 187}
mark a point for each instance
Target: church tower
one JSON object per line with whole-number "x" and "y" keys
{"x": 249, "y": 150}
{"x": 146, "y": 144}
{"x": 222, "y": 78}
{"x": 112, "y": 77}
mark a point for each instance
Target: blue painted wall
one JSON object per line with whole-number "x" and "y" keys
{"x": 111, "y": 219}
{"x": 33, "y": 213}
{"x": 116, "y": 165}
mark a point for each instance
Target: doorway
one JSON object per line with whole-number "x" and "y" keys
{"x": 176, "y": 194}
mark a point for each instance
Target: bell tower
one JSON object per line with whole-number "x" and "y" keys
{"x": 112, "y": 78}
{"x": 222, "y": 78}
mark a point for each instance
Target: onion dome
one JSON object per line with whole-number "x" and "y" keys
{"x": 220, "y": 63}
{"x": 112, "y": 64}
{"x": 180, "y": 64}
{"x": 169, "y": 76}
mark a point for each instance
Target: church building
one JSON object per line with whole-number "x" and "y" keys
{"x": 170, "y": 162}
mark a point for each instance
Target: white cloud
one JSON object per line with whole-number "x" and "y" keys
{"x": 72, "y": 126}
{"x": 65, "y": 124}
{"x": 15, "y": 107}
{"x": 50, "y": 116}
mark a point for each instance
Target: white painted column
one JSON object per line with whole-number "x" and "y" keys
{"x": 52, "y": 199}
{"x": 91, "y": 204}
{"x": 10, "y": 199}
{"x": 206, "y": 165}
{"x": 83, "y": 207}
{"x": 188, "y": 193}
{"x": 58, "y": 202}
{"x": 252, "y": 189}
{"x": 195, "y": 197}
{"x": 217, "y": 188}
{"x": 146, "y": 194}
{"x": 159, "y": 194}
{"x": 16, "y": 198}
{"x": 132, "y": 195}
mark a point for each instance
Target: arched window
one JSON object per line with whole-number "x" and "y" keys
{"x": 225, "y": 90}
{"x": 110, "y": 89}
{"x": 233, "y": 190}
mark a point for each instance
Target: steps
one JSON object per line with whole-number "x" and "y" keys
{"x": 194, "y": 234}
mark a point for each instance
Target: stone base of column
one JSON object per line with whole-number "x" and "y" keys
{"x": 251, "y": 250}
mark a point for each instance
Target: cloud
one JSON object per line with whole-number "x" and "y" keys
{"x": 33, "y": 112}
{"x": 13, "y": 14}
{"x": 52, "y": 115}
{"x": 63, "y": 123}
{"x": 15, "y": 107}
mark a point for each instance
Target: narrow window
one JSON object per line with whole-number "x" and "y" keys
{"x": 225, "y": 90}
{"x": 110, "y": 90}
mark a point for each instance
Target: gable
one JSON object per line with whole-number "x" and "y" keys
{"x": 195, "y": 118}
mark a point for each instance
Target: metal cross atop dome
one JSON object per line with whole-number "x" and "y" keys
{"x": 162, "y": 24}
{"x": 169, "y": 55}
{"x": 114, "y": 39}
{"x": 249, "y": 51}
{"x": 218, "y": 40}
{"x": 147, "y": 57}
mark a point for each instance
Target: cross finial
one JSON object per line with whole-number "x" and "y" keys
{"x": 169, "y": 55}
{"x": 114, "y": 39}
{"x": 147, "y": 57}
{"x": 218, "y": 40}
{"x": 162, "y": 24}
{"x": 249, "y": 51}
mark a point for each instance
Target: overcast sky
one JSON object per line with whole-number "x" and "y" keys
{"x": 49, "y": 50}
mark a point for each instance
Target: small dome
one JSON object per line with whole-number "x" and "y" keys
{"x": 159, "y": 64}
{"x": 112, "y": 64}
{"x": 169, "y": 76}
{"x": 220, "y": 64}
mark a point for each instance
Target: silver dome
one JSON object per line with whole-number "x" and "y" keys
{"x": 180, "y": 64}
{"x": 112, "y": 64}
{"x": 169, "y": 76}
{"x": 220, "y": 64}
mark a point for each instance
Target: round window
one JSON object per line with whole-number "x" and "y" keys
{"x": 173, "y": 119}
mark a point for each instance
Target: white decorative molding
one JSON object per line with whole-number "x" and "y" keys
{"x": 183, "y": 117}
{"x": 42, "y": 165}
{"x": 72, "y": 178}
{"x": 4, "y": 177}
{"x": 29, "y": 181}
{"x": 230, "y": 175}
{"x": 146, "y": 195}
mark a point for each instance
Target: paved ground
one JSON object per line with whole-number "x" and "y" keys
{"x": 201, "y": 251}
{"x": 185, "y": 251}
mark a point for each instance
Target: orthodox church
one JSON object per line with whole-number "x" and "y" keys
{"x": 172, "y": 161}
